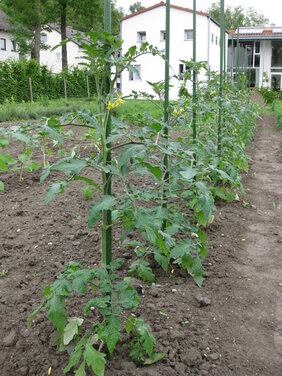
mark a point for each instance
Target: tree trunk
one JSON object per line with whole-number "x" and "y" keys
{"x": 64, "y": 33}
{"x": 37, "y": 33}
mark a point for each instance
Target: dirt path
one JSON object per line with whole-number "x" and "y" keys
{"x": 232, "y": 326}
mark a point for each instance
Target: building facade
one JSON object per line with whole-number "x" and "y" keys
{"x": 149, "y": 25}
{"x": 260, "y": 54}
{"x": 50, "y": 38}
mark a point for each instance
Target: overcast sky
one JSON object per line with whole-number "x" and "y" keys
{"x": 272, "y": 9}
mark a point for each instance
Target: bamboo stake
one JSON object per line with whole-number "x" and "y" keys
{"x": 87, "y": 86}
{"x": 30, "y": 89}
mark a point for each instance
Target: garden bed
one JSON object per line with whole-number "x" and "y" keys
{"x": 224, "y": 328}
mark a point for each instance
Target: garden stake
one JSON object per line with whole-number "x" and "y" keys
{"x": 166, "y": 104}
{"x": 237, "y": 56}
{"x": 107, "y": 178}
{"x": 220, "y": 76}
{"x": 232, "y": 57}
{"x": 30, "y": 89}
{"x": 194, "y": 77}
{"x": 87, "y": 86}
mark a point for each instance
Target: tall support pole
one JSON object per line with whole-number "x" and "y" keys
{"x": 224, "y": 52}
{"x": 107, "y": 214}
{"x": 166, "y": 104}
{"x": 232, "y": 58}
{"x": 194, "y": 74}
{"x": 237, "y": 56}
{"x": 246, "y": 67}
{"x": 222, "y": 31}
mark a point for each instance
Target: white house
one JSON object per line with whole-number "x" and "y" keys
{"x": 263, "y": 46}
{"x": 7, "y": 45}
{"x": 51, "y": 38}
{"x": 53, "y": 59}
{"x": 148, "y": 25}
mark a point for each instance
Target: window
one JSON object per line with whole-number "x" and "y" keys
{"x": 257, "y": 48}
{"x": 182, "y": 69}
{"x": 58, "y": 56}
{"x": 13, "y": 46}
{"x": 188, "y": 34}
{"x": 212, "y": 38}
{"x": 135, "y": 74}
{"x": 44, "y": 38}
{"x": 3, "y": 44}
{"x": 162, "y": 36}
{"x": 141, "y": 36}
{"x": 216, "y": 40}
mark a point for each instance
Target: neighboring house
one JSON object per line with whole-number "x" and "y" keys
{"x": 7, "y": 45}
{"x": 53, "y": 59}
{"x": 148, "y": 25}
{"x": 263, "y": 47}
{"x": 51, "y": 38}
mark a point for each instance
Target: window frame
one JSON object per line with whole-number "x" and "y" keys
{"x": 140, "y": 35}
{"x": 4, "y": 45}
{"x": 186, "y": 32}
{"x": 132, "y": 76}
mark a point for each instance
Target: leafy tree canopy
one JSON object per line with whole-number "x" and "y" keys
{"x": 135, "y": 7}
{"x": 238, "y": 16}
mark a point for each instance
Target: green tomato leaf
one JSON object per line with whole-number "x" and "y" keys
{"x": 111, "y": 332}
{"x": 156, "y": 171}
{"x": 95, "y": 360}
{"x": 106, "y": 203}
{"x": 181, "y": 249}
{"x": 81, "y": 370}
{"x": 1, "y": 186}
{"x": 155, "y": 357}
{"x": 71, "y": 330}
{"x": 128, "y": 153}
{"x": 189, "y": 173}
{"x": 56, "y": 309}
{"x": 54, "y": 189}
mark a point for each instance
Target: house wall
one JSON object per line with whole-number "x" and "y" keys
{"x": 8, "y": 53}
{"x": 53, "y": 59}
{"x": 152, "y": 68}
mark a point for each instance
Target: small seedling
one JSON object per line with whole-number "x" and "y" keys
{"x": 3, "y": 273}
{"x": 87, "y": 193}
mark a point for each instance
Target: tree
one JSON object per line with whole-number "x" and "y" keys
{"x": 26, "y": 19}
{"x": 238, "y": 16}
{"x": 135, "y": 7}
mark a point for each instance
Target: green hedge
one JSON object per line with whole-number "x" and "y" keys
{"x": 14, "y": 82}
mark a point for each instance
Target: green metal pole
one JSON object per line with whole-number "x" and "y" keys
{"x": 166, "y": 104}
{"x": 246, "y": 64}
{"x": 237, "y": 56}
{"x": 232, "y": 57}
{"x": 219, "y": 146}
{"x": 194, "y": 75}
{"x": 107, "y": 214}
{"x": 224, "y": 52}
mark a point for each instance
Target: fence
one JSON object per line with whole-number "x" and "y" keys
{"x": 28, "y": 81}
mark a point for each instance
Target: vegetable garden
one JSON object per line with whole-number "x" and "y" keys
{"x": 153, "y": 184}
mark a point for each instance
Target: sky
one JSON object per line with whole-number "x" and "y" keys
{"x": 271, "y": 9}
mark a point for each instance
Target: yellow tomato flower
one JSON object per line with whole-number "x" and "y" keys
{"x": 49, "y": 371}
{"x": 117, "y": 103}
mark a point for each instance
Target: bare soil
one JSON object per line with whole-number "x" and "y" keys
{"x": 232, "y": 326}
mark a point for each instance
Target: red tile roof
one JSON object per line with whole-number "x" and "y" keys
{"x": 162, "y": 3}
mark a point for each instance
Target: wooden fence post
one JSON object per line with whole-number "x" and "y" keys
{"x": 65, "y": 89}
{"x": 87, "y": 85}
{"x": 30, "y": 89}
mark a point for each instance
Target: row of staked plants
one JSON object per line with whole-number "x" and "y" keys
{"x": 168, "y": 217}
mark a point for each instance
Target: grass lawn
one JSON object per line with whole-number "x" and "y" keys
{"x": 277, "y": 108}
{"x": 47, "y": 108}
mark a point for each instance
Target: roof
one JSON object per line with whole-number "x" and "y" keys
{"x": 70, "y": 33}
{"x": 162, "y": 3}
{"x": 258, "y": 33}
{"x": 3, "y": 22}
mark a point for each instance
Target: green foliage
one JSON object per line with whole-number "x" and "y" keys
{"x": 87, "y": 192}
{"x": 277, "y": 108}
{"x": 238, "y": 16}
{"x": 14, "y": 78}
{"x": 108, "y": 299}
